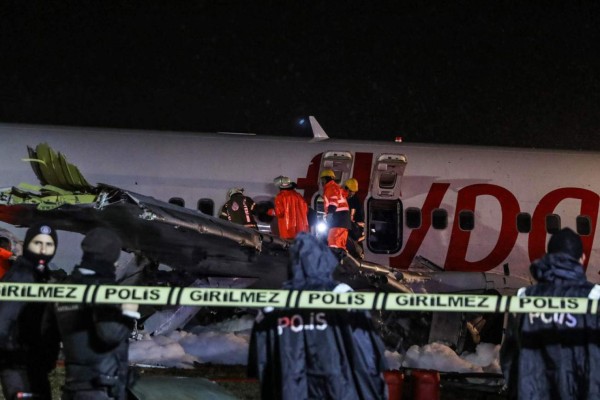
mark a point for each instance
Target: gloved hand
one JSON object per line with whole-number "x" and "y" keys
{"x": 129, "y": 307}
{"x": 130, "y": 310}
{"x": 329, "y": 220}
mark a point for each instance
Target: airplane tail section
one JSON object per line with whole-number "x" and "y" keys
{"x": 318, "y": 132}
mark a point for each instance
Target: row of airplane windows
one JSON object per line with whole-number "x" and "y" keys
{"x": 439, "y": 218}
{"x": 466, "y": 221}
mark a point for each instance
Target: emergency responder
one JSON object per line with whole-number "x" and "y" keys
{"x": 336, "y": 210}
{"x": 316, "y": 354}
{"x": 239, "y": 208}
{"x": 357, "y": 219}
{"x": 290, "y": 209}
{"x": 25, "y": 359}
{"x": 6, "y": 255}
{"x": 95, "y": 337}
{"x": 548, "y": 355}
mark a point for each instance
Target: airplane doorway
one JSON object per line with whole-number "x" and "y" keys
{"x": 384, "y": 222}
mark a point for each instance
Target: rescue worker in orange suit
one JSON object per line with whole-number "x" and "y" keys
{"x": 290, "y": 209}
{"x": 239, "y": 208}
{"x": 6, "y": 255}
{"x": 357, "y": 219}
{"x": 336, "y": 210}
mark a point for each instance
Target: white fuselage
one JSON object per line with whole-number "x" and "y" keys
{"x": 497, "y": 186}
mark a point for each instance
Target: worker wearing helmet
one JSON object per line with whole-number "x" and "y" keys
{"x": 356, "y": 210}
{"x": 336, "y": 209}
{"x": 238, "y": 208}
{"x": 357, "y": 219}
{"x": 290, "y": 209}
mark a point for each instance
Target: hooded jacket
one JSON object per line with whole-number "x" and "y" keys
{"x": 291, "y": 211}
{"x": 95, "y": 337}
{"x": 21, "y": 322}
{"x": 314, "y": 354}
{"x": 554, "y": 356}
{"x": 95, "y": 341}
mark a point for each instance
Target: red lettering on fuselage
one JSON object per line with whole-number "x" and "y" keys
{"x": 362, "y": 173}
{"x": 456, "y": 258}
{"x": 310, "y": 184}
{"x": 432, "y": 201}
{"x": 589, "y": 207}
{"x": 466, "y": 200}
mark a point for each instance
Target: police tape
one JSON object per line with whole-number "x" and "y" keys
{"x": 252, "y": 298}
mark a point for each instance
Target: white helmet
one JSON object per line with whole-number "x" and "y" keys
{"x": 233, "y": 191}
{"x": 283, "y": 182}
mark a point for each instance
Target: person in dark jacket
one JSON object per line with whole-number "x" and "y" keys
{"x": 356, "y": 233}
{"x": 316, "y": 354}
{"x": 239, "y": 208}
{"x": 24, "y": 359}
{"x": 555, "y": 355}
{"x": 95, "y": 338}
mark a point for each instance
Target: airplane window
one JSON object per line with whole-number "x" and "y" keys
{"x": 206, "y": 206}
{"x": 524, "y": 222}
{"x": 387, "y": 180}
{"x": 439, "y": 218}
{"x": 384, "y": 221}
{"x": 552, "y": 223}
{"x": 178, "y": 201}
{"x": 413, "y": 218}
{"x": 466, "y": 220}
{"x": 261, "y": 211}
{"x": 584, "y": 225}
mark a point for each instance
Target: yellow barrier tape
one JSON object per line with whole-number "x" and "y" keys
{"x": 218, "y": 297}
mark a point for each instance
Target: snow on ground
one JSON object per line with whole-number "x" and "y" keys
{"x": 227, "y": 343}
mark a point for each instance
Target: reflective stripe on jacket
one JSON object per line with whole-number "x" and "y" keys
{"x": 333, "y": 195}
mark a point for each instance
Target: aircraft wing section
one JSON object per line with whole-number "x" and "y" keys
{"x": 164, "y": 233}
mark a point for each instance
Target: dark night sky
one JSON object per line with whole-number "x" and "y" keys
{"x": 478, "y": 72}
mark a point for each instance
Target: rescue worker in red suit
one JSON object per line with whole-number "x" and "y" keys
{"x": 336, "y": 210}
{"x": 6, "y": 255}
{"x": 290, "y": 209}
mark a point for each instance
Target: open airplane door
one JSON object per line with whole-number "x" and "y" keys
{"x": 340, "y": 162}
{"x": 384, "y": 206}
